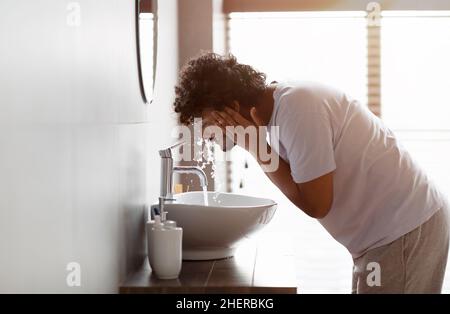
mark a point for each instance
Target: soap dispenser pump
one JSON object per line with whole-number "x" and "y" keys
{"x": 158, "y": 224}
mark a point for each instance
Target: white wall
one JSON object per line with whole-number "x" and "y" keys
{"x": 74, "y": 141}
{"x": 196, "y": 21}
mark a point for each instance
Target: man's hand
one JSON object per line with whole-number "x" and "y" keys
{"x": 238, "y": 128}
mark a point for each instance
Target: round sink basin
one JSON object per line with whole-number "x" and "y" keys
{"x": 213, "y": 231}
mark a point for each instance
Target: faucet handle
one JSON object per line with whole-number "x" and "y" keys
{"x": 167, "y": 153}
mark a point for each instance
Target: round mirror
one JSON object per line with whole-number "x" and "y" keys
{"x": 147, "y": 39}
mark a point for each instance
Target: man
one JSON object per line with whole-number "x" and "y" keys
{"x": 339, "y": 164}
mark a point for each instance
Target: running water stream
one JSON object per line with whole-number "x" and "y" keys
{"x": 206, "y": 157}
{"x": 205, "y": 196}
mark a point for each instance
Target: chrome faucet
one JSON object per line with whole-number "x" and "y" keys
{"x": 167, "y": 171}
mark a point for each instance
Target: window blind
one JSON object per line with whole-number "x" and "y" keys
{"x": 374, "y": 68}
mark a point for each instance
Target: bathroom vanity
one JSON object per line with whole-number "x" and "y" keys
{"x": 262, "y": 264}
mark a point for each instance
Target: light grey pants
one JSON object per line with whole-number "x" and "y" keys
{"x": 414, "y": 263}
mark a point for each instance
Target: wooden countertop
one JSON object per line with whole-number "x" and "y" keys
{"x": 263, "y": 264}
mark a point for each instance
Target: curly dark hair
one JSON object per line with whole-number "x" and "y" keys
{"x": 214, "y": 81}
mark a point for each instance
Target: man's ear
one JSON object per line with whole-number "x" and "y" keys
{"x": 235, "y": 106}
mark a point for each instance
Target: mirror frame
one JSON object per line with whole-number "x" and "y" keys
{"x": 148, "y": 99}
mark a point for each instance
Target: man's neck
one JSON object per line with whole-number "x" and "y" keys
{"x": 264, "y": 108}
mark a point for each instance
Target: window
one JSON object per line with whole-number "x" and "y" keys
{"x": 334, "y": 48}
{"x": 322, "y": 46}
{"x": 415, "y": 63}
{"x": 416, "y": 70}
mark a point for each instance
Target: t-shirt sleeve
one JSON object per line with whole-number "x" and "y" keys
{"x": 308, "y": 139}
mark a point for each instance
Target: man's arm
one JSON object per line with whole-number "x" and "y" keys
{"x": 314, "y": 197}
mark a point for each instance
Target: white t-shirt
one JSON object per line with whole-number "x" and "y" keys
{"x": 380, "y": 193}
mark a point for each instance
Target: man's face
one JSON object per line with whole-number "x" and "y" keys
{"x": 211, "y": 130}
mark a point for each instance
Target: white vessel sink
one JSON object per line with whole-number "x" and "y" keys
{"x": 214, "y": 231}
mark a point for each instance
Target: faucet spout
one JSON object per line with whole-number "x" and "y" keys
{"x": 168, "y": 169}
{"x": 167, "y": 153}
{"x": 194, "y": 170}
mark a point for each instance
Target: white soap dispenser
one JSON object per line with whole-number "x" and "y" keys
{"x": 165, "y": 249}
{"x": 150, "y": 223}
